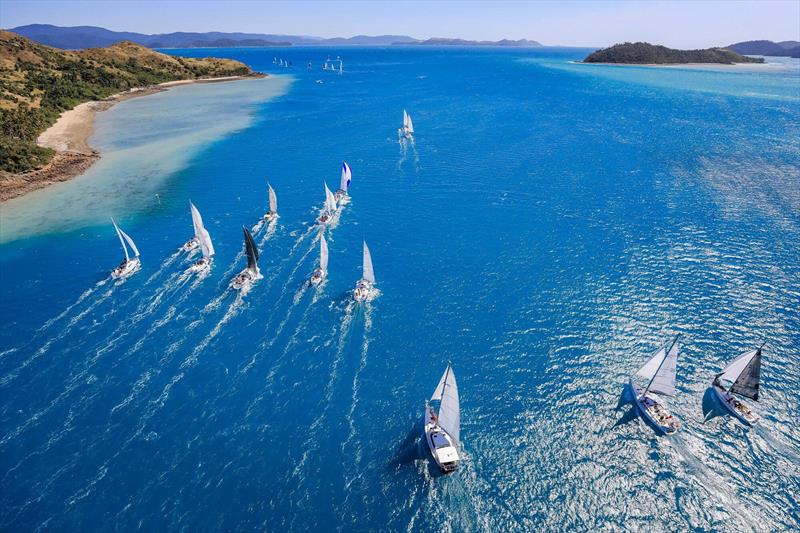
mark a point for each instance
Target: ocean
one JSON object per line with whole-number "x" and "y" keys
{"x": 551, "y": 225}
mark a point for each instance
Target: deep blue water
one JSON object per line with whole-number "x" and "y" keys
{"x": 551, "y": 225}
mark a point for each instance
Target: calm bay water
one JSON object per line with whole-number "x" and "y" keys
{"x": 550, "y": 226}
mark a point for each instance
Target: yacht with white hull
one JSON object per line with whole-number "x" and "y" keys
{"x": 365, "y": 288}
{"x": 204, "y": 241}
{"x": 341, "y": 196}
{"x": 272, "y": 214}
{"x": 407, "y": 131}
{"x": 245, "y": 279}
{"x": 321, "y": 272}
{"x": 442, "y": 429}
{"x": 329, "y": 209}
{"x": 129, "y": 265}
{"x": 744, "y": 376}
{"x": 660, "y": 370}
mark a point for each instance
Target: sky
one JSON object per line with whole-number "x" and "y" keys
{"x": 680, "y": 24}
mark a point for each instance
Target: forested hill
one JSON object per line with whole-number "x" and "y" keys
{"x": 38, "y": 83}
{"x": 646, "y": 53}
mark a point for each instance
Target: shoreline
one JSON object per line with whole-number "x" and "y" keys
{"x": 69, "y": 137}
{"x": 726, "y": 66}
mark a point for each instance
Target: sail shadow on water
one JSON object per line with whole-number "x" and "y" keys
{"x": 625, "y": 404}
{"x": 411, "y": 448}
{"x": 710, "y": 405}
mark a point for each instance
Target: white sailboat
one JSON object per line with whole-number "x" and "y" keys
{"x": 244, "y": 279}
{"x": 204, "y": 240}
{"x": 194, "y": 242}
{"x": 272, "y": 214}
{"x": 744, "y": 376}
{"x": 322, "y": 271}
{"x": 129, "y": 265}
{"x": 660, "y": 370}
{"x": 442, "y": 429}
{"x": 407, "y": 130}
{"x": 341, "y": 195}
{"x": 329, "y": 210}
{"x": 365, "y": 288}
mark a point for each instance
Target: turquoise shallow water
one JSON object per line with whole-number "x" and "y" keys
{"x": 550, "y": 226}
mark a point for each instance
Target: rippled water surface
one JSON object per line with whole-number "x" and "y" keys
{"x": 550, "y": 226}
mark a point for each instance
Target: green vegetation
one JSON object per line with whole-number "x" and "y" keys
{"x": 646, "y": 53}
{"x": 38, "y": 83}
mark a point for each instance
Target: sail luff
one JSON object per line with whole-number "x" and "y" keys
{"x": 273, "y": 200}
{"x": 121, "y": 241}
{"x": 368, "y": 272}
{"x": 323, "y": 253}
{"x": 748, "y": 382}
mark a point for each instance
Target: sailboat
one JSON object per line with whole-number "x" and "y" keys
{"x": 329, "y": 210}
{"x": 744, "y": 375}
{"x": 244, "y": 279}
{"x": 204, "y": 239}
{"x": 194, "y": 242}
{"x": 341, "y": 195}
{"x": 341, "y": 66}
{"x": 365, "y": 288}
{"x": 442, "y": 429}
{"x": 660, "y": 370}
{"x": 272, "y": 214}
{"x": 322, "y": 271}
{"x": 129, "y": 265}
{"x": 408, "y": 127}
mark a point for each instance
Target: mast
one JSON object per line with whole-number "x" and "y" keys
{"x": 666, "y": 356}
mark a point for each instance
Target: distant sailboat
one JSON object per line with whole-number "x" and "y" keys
{"x": 129, "y": 265}
{"x": 204, "y": 240}
{"x": 365, "y": 288}
{"x": 341, "y": 195}
{"x": 341, "y": 66}
{"x": 194, "y": 242}
{"x": 407, "y": 130}
{"x": 329, "y": 210}
{"x": 744, "y": 376}
{"x": 442, "y": 429}
{"x": 272, "y": 214}
{"x": 322, "y": 271}
{"x": 660, "y": 370}
{"x": 244, "y": 279}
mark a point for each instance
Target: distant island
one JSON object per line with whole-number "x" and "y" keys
{"x": 40, "y": 83}
{"x": 767, "y": 48}
{"x": 652, "y": 54}
{"x": 440, "y": 41}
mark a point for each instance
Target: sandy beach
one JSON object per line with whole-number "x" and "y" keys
{"x": 69, "y": 137}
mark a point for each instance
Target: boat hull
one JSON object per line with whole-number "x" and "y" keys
{"x": 191, "y": 244}
{"x": 269, "y": 216}
{"x": 318, "y": 276}
{"x": 245, "y": 279}
{"x": 446, "y": 457}
{"x": 126, "y": 268}
{"x": 653, "y": 412}
{"x": 342, "y": 197}
{"x": 364, "y": 291}
{"x": 200, "y": 265}
{"x": 733, "y": 404}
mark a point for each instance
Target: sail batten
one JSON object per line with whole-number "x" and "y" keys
{"x": 273, "y": 200}
{"x": 323, "y": 253}
{"x": 368, "y": 271}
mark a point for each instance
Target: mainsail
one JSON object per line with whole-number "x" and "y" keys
{"x": 409, "y": 124}
{"x": 323, "y": 253}
{"x": 347, "y": 176}
{"x": 197, "y": 221}
{"x": 661, "y": 371}
{"x": 252, "y": 251}
{"x": 449, "y": 410}
{"x": 405, "y": 119}
{"x": 201, "y": 233}
{"x": 368, "y": 272}
{"x": 121, "y": 241}
{"x": 273, "y": 200}
{"x": 330, "y": 200}
{"x": 745, "y": 373}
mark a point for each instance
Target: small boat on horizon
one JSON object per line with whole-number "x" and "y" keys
{"x": 321, "y": 271}
{"x": 341, "y": 195}
{"x": 660, "y": 370}
{"x": 204, "y": 239}
{"x": 744, "y": 376}
{"x": 129, "y": 265}
{"x": 245, "y": 279}
{"x": 407, "y": 131}
{"x": 329, "y": 209}
{"x": 272, "y": 214}
{"x": 365, "y": 287}
{"x": 442, "y": 429}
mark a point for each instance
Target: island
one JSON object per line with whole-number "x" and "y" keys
{"x": 48, "y": 99}
{"x": 652, "y": 54}
{"x": 441, "y": 41}
{"x": 767, "y": 48}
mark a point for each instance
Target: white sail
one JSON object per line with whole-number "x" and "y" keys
{"x": 330, "y": 200}
{"x": 744, "y": 373}
{"x": 405, "y": 119}
{"x": 661, "y": 370}
{"x": 121, "y": 241}
{"x": 205, "y": 243}
{"x": 449, "y": 409}
{"x": 323, "y": 253}
{"x": 273, "y": 200}
{"x": 130, "y": 243}
{"x": 347, "y": 176}
{"x": 197, "y": 220}
{"x": 736, "y": 367}
{"x": 368, "y": 272}
{"x": 409, "y": 125}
